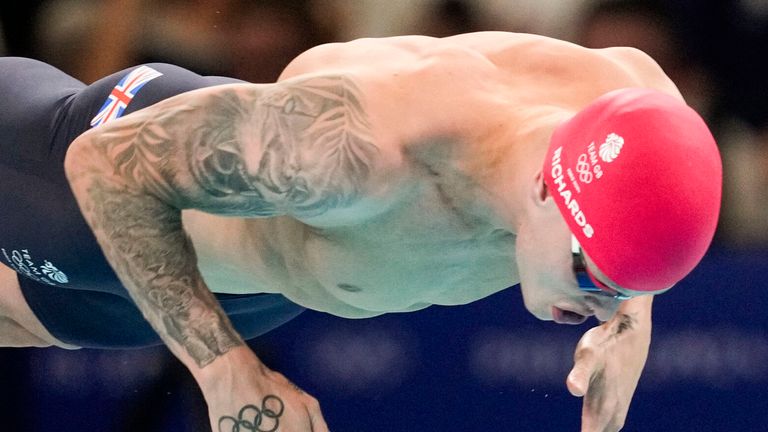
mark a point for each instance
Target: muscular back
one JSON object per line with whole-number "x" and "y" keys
{"x": 544, "y": 69}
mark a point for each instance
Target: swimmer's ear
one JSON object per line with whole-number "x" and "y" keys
{"x": 540, "y": 190}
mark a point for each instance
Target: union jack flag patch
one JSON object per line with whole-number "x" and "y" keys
{"x": 123, "y": 94}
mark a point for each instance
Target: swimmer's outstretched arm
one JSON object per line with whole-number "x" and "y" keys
{"x": 240, "y": 150}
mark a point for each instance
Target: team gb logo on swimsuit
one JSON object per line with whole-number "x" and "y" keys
{"x": 52, "y": 272}
{"x": 23, "y": 263}
{"x": 610, "y": 149}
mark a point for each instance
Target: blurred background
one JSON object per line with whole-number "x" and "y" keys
{"x": 484, "y": 366}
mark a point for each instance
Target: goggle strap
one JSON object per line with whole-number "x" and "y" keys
{"x": 575, "y": 246}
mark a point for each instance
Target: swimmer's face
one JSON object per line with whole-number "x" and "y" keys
{"x": 545, "y": 264}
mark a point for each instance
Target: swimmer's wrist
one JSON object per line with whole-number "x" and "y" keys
{"x": 227, "y": 367}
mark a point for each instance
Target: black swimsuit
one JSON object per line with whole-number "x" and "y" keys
{"x": 64, "y": 276}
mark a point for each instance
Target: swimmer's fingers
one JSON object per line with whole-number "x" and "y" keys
{"x": 315, "y": 414}
{"x": 578, "y": 381}
{"x": 584, "y": 365}
{"x": 318, "y": 422}
{"x": 243, "y": 394}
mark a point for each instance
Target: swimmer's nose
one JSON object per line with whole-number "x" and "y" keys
{"x": 562, "y": 316}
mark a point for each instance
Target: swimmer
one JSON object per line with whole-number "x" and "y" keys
{"x": 378, "y": 175}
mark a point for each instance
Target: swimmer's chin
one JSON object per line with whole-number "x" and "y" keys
{"x": 541, "y": 314}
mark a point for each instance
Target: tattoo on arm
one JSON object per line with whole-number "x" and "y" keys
{"x": 299, "y": 147}
{"x": 254, "y": 419}
{"x": 156, "y": 261}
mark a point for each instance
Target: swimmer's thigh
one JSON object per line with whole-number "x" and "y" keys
{"x": 19, "y": 327}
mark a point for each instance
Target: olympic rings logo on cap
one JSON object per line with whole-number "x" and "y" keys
{"x": 584, "y": 170}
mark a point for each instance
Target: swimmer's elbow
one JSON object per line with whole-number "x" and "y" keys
{"x": 78, "y": 156}
{"x": 84, "y": 163}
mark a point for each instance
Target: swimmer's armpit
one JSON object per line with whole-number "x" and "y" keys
{"x": 298, "y": 147}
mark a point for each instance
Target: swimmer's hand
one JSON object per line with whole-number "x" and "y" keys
{"x": 244, "y": 395}
{"x": 607, "y": 366}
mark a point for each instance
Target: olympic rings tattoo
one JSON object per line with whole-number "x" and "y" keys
{"x": 252, "y": 419}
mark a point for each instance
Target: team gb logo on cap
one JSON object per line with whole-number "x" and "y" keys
{"x": 610, "y": 149}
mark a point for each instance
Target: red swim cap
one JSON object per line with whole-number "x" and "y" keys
{"x": 637, "y": 176}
